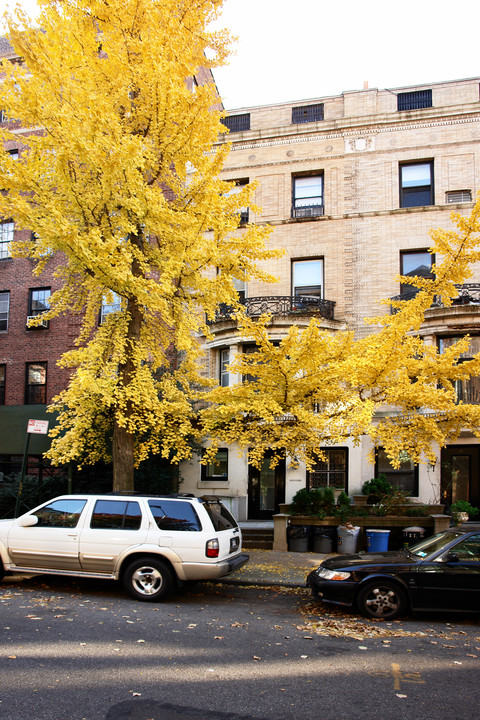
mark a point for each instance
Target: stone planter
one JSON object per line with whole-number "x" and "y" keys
{"x": 460, "y": 517}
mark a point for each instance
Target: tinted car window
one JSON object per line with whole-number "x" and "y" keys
{"x": 174, "y": 515}
{"x": 61, "y": 513}
{"x": 433, "y": 544}
{"x": 221, "y": 518}
{"x": 116, "y": 515}
{"x": 468, "y": 549}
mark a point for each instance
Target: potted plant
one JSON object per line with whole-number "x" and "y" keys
{"x": 461, "y": 511}
{"x": 377, "y": 488}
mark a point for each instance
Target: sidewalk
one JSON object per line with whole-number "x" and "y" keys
{"x": 270, "y": 567}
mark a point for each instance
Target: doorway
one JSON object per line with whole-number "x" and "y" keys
{"x": 266, "y": 489}
{"x": 460, "y": 481}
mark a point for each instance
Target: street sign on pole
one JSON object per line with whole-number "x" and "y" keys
{"x": 38, "y": 427}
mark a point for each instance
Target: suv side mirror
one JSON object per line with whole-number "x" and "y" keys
{"x": 28, "y": 521}
{"x": 451, "y": 557}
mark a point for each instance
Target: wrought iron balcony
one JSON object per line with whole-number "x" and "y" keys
{"x": 280, "y": 305}
{"x": 468, "y": 294}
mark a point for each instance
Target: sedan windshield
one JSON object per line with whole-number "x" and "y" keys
{"x": 434, "y": 544}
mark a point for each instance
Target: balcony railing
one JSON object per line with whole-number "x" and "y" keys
{"x": 280, "y": 305}
{"x": 468, "y": 294}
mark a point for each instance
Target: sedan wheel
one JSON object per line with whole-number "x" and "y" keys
{"x": 148, "y": 579}
{"x": 382, "y": 600}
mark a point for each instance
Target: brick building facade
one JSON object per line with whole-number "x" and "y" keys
{"x": 351, "y": 185}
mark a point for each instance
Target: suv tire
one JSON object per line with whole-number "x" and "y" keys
{"x": 148, "y": 579}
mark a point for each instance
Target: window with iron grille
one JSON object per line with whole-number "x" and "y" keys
{"x": 36, "y": 383}
{"x": 307, "y": 196}
{"x": 307, "y": 113}
{"x": 415, "y": 100}
{"x": 4, "y": 308}
{"x": 237, "y": 123}
{"x": 2, "y": 384}
{"x": 331, "y": 472}
{"x": 6, "y": 237}
{"x": 416, "y": 184}
{"x": 458, "y": 196}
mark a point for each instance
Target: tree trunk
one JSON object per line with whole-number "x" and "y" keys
{"x": 123, "y": 455}
{"x": 123, "y": 459}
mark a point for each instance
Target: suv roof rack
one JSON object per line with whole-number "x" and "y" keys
{"x": 132, "y": 493}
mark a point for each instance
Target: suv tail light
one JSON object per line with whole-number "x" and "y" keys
{"x": 212, "y": 548}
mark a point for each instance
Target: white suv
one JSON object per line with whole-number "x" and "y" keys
{"x": 151, "y": 543}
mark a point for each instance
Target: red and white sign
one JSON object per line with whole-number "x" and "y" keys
{"x": 39, "y": 427}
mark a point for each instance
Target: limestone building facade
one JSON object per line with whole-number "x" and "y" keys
{"x": 351, "y": 185}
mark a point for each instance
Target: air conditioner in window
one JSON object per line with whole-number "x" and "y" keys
{"x": 42, "y": 324}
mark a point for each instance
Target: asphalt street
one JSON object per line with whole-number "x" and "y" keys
{"x": 83, "y": 650}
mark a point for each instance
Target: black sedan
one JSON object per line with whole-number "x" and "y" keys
{"x": 439, "y": 573}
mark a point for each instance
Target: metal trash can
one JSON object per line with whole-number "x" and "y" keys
{"x": 347, "y": 539}
{"x": 298, "y": 537}
{"x": 323, "y": 539}
{"x": 377, "y": 540}
{"x": 412, "y": 535}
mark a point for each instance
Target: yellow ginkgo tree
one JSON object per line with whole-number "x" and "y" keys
{"x": 318, "y": 388}
{"x": 118, "y": 179}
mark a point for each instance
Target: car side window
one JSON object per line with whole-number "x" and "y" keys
{"x": 174, "y": 515}
{"x": 468, "y": 549}
{"x": 116, "y": 515}
{"x": 61, "y": 513}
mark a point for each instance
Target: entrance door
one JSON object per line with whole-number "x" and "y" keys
{"x": 266, "y": 489}
{"x": 460, "y": 467}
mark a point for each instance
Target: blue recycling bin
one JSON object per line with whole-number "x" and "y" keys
{"x": 377, "y": 540}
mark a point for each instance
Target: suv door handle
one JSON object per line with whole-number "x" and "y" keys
{"x": 74, "y": 535}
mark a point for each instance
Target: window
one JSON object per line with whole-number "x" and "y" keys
{"x": 3, "y": 369}
{"x": 224, "y": 361}
{"x": 237, "y": 186}
{"x": 415, "y": 263}
{"x": 60, "y": 513}
{"x": 415, "y": 100}
{"x": 6, "y": 237}
{"x": 331, "y": 472}
{"x": 416, "y": 184}
{"x": 307, "y": 277}
{"x": 4, "y": 308}
{"x": 237, "y": 123}
{"x": 307, "y": 113}
{"x": 175, "y": 515}
{"x": 116, "y": 515}
{"x": 467, "y": 391}
{"x": 307, "y": 196}
{"x": 217, "y": 469}
{"x": 110, "y": 307}
{"x": 39, "y": 301}
{"x": 36, "y": 383}
{"x": 468, "y": 550}
{"x": 405, "y": 478}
